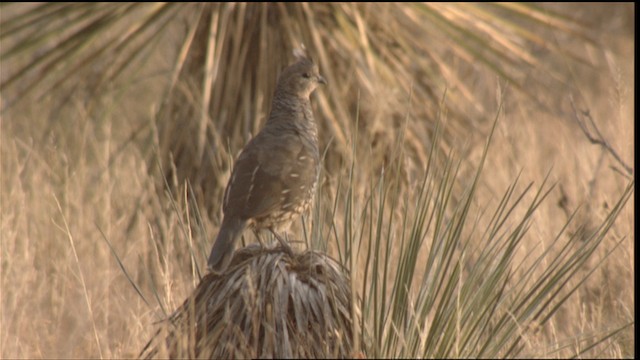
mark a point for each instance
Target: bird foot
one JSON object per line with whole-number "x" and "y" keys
{"x": 284, "y": 243}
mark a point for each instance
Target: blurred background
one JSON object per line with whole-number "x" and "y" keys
{"x": 120, "y": 122}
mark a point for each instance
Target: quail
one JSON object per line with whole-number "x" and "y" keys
{"x": 275, "y": 176}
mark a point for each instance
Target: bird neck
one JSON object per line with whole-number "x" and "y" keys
{"x": 289, "y": 110}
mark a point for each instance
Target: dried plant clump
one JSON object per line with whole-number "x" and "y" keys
{"x": 269, "y": 303}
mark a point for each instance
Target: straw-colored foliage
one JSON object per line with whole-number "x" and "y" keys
{"x": 475, "y": 198}
{"x": 270, "y": 303}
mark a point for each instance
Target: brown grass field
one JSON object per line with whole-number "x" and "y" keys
{"x": 75, "y": 179}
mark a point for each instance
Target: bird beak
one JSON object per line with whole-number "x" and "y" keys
{"x": 321, "y": 80}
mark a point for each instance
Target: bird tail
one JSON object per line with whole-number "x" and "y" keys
{"x": 224, "y": 246}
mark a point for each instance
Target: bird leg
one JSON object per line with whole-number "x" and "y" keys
{"x": 257, "y": 234}
{"x": 284, "y": 243}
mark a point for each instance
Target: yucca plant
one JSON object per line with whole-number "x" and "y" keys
{"x": 223, "y": 67}
{"x": 427, "y": 282}
{"x": 271, "y": 303}
{"x": 432, "y": 284}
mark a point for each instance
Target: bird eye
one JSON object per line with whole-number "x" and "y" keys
{"x": 306, "y": 75}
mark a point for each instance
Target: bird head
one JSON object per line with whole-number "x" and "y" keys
{"x": 301, "y": 78}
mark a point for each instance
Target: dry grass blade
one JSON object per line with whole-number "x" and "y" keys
{"x": 269, "y": 303}
{"x": 81, "y": 276}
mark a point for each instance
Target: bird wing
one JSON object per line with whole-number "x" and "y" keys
{"x": 269, "y": 173}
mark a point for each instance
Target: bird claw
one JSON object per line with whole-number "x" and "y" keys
{"x": 283, "y": 243}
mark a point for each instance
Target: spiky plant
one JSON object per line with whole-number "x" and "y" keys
{"x": 270, "y": 303}
{"x": 432, "y": 284}
{"x": 223, "y": 60}
{"x": 427, "y": 282}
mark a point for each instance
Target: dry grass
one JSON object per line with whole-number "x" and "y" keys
{"x": 75, "y": 181}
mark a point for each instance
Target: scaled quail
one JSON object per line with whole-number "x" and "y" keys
{"x": 275, "y": 176}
